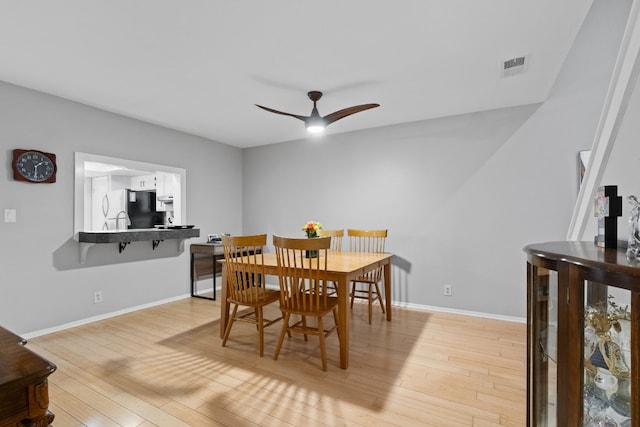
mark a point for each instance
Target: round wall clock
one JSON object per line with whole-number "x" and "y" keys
{"x": 34, "y": 166}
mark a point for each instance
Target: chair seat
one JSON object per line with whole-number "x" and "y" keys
{"x": 245, "y": 299}
{"x": 294, "y": 307}
{"x": 364, "y": 279}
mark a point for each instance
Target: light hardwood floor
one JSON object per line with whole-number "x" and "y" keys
{"x": 165, "y": 366}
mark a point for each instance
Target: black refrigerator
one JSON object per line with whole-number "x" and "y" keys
{"x": 141, "y": 207}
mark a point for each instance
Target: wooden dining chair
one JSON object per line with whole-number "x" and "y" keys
{"x": 336, "y": 245}
{"x": 371, "y": 241}
{"x": 336, "y": 238}
{"x": 244, "y": 260}
{"x": 303, "y": 289}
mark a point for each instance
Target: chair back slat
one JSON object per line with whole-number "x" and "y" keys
{"x": 302, "y": 287}
{"x": 336, "y": 238}
{"x": 244, "y": 260}
{"x": 371, "y": 241}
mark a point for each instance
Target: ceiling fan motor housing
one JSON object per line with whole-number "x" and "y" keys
{"x": 314, "y": 95}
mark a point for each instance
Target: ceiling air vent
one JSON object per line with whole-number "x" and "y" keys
{"x": 514, "y": 66}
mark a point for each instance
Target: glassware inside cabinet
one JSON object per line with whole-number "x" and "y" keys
{"x": 607, "y": 356}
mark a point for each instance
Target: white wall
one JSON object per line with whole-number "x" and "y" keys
{"x": 42, "y": 282}
{"x": 623, "y": 167}
{"x": 461, "y": 196}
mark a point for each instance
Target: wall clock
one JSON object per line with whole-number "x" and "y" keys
{"x": 34, "y": 166}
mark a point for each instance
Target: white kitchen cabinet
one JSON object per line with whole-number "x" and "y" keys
{"x": 144, "y": 182}
{"x": 165, "y": 185}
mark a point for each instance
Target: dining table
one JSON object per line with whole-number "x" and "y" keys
{"x": 342, "y": 268}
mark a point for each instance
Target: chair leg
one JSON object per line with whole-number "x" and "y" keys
{"x": 228, "y": 330}
{"x": 323, "y": 350}
{"x": 380, "y": 300}
{"x": 256, "y": 314}
{"x": 304, "y": 325}
{"x": 285, "y": 329}
{"x": 335, "y": 319}
{"x": 353, "y": 292}
{"x": 260, "y": 331}
{"x": 283, "y": 317}
{"x": 370, "y": 302}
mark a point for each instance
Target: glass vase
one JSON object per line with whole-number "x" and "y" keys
{"x": 311, "y": 254}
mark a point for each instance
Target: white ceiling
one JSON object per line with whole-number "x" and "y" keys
{"x": 200, "y": 66}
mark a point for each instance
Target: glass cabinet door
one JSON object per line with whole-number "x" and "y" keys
{"x": 607, "y": 356}
{"x": 544, "y": 348}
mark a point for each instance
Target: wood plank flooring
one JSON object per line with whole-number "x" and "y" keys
{"x": 165, "y": 366}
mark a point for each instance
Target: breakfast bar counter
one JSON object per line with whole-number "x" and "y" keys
{"x": 124, "y": 237}
{"x": 137, "y": 235}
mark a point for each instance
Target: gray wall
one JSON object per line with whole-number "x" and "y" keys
{"x": 461, "y": 196}
{"x": 42, "y": 283}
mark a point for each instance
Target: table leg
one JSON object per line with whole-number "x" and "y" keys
{"x": 192, "y": 274}
{"x": 214, "y": 275}
{"x": 224, "y": 304}
{"x": 387, "y": 289}
{"x": 343, "y": 321}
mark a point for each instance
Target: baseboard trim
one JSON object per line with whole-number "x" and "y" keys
{"x": 460, "y": 312}
{"x": 179, "y": 297}
{"x": 101, "y": 317}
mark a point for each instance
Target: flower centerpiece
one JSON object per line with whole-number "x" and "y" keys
{"x": 311, "y": 229}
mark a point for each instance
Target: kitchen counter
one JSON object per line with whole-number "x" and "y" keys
{"x": 137, "y": 235}
{"x": 124, "y": 237}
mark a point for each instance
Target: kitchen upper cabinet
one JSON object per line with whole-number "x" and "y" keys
{"x": 161, "y": 205}
{"x": 144, "y": 182}
{"x": 167, "y": 184}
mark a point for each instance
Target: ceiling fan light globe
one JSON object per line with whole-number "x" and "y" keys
{"x": 315, "y": 128}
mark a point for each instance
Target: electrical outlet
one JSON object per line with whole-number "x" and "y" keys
{"x": 97, "y": 297}
{"x": 447, "y": 290}
{"x": 10, "y": 215}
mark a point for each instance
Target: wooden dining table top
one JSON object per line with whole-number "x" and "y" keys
{"x": 342, "y": 267}
{"x": 337, "y": 262}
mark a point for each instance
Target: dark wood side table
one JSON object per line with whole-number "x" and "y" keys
{"x": 204, "y": 257}
{"x": 24, "y": 393}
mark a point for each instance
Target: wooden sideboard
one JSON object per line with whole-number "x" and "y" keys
{"x": 24, "y": 394}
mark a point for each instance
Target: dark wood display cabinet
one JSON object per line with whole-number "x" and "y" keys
{"x": 583, "y": 336}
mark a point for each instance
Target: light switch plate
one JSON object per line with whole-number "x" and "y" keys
{"x": 10, "y": 215}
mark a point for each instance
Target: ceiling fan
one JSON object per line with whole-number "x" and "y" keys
{"x": 315, "y": 123}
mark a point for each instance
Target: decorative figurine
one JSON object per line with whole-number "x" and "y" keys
{"x": 633, "y": 248}
{"x": 607, "y": 207}
{"x": 607, "y": 372}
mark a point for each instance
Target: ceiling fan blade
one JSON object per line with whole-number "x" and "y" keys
{"x": 303, "y": 118}
{"x": 337, "y": 115}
